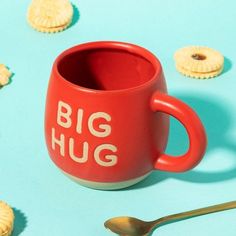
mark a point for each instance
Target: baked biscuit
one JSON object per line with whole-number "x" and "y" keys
{"x": 50, "y": 29}
{"x": 199, "y": 61}
{"x": 6, "y": 219}
{"x": 199, "y": 75}
{"x": 5, "y": 75}
{"x": 49, "y": 15}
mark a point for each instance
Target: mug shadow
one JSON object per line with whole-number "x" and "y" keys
{"x": 217, "y": 121}
{"x": 20, "y": 222}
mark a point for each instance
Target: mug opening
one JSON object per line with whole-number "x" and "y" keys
{"x": 108, "y": 66}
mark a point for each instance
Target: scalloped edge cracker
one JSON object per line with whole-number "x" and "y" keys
{"x": 199, "y": 75}
{"x": 50, "y": 16}
{"x": 6, "y": 219}
{"x": 199, "y": 59}
{"x": 5, "y": 75}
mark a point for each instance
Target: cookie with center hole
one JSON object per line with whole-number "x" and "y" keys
{"x": 199, "y": 59}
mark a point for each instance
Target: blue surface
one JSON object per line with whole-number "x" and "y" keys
{"x": 45, "y": 201}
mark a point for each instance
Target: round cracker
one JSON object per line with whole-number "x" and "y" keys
{"x": 50, "y": 29}
{"x": 5, "y": 75}
{"x": 199, "y": 75}
{"x": 50, "y": 13}
{"x": 199, "y": 59}
{"x": 6, "y": 219}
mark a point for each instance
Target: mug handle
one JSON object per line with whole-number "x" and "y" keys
{"x": 161, "y": 102}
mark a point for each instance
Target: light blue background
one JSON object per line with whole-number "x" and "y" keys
{"x": 45, "y": 201}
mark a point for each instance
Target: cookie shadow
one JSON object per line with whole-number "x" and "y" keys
{"x": 10, "y": 79}
{"x": 20, "y": 222}
{"x": 217, "y": 121}
{"x": 76, "y": 16}
{"x": 227, "y": 65}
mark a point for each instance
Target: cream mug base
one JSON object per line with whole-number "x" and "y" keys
{"x": 106, "y": 186}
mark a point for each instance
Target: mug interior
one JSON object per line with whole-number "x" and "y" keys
{"x": 106, "y": 68}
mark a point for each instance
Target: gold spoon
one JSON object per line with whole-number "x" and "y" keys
{"x": 130, "y": 226}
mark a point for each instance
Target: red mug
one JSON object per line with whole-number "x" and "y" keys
{"x": 107, "y": 116}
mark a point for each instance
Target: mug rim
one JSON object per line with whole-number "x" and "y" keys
{"x": 128, "y": 47}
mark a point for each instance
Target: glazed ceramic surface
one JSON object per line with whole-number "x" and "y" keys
{"x": 107, "y": 116}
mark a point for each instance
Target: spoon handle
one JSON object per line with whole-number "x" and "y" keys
{"x": 197, "y": 212}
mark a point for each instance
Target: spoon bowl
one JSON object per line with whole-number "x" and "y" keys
{"x": 130, "y": 226}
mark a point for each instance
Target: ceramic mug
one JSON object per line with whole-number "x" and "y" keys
{"x": 107, "y": 116}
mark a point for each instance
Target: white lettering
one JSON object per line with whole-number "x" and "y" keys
{"x": 106, "y": 128}
{"x": 103, "y": 154}
{"x": 66, "y": 121}
{"x": 60, "y": 142}
{"x": 112, "y": 159}
{"x": 84, "y": 157}
{"x": 80, "y": 113}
